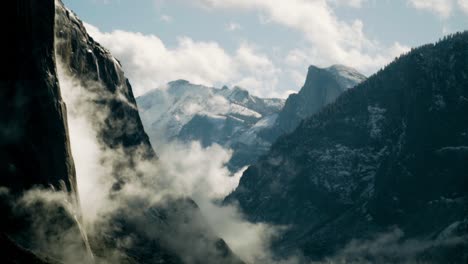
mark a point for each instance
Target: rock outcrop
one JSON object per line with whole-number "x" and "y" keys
{"x": 322, "y": 87}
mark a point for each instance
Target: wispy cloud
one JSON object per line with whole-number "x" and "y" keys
{"x": 166, "y": 18}
{"x": 463, "y": 5}
{"x": 442, "y": 8}
{"x": 232, "y": 26}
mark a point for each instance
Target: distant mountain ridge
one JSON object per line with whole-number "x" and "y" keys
{"x": 235, "y": 119}
{"x": 228, "y": 117}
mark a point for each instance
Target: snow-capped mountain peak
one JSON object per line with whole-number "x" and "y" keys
{"x": 229, "y": 116}
{"x": 347, "y": 77}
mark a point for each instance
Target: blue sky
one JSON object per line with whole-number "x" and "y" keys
{"x": 262, "y": 45}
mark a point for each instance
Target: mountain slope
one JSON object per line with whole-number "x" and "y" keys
{"x": 322, "y": 87}
{"x": 229, "y": 117}
{"x": 390, "y": 152}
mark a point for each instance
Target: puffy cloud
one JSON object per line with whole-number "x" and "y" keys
{"x": 261, "y": 73}
{"x": 330, "y": 39}
{"x": 201, "y": 173}
{"x": 150, "y": 64}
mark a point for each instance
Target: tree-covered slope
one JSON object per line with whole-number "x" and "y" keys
{"x": 392, "y": 152}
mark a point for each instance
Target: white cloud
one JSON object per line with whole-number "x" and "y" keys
{"x": 263, "y": 74}
{"x": 149, "y": 63}
{"x": 442, "y": 8}
{"x": 330, "y": 40}
{"x": 201, "y": 173}
{"x": 463, "y": 5}
{"x": 298, "y": 78}
{"x": 232, "y": 26}
{"x": 296, "y": 57}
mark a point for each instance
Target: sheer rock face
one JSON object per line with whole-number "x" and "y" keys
{"x": 34, "y": 138}
{"x": 34, "y": 143}
{"x": 86, "y": 60}
{"x": 390, "y": 152}
{"x": 322, "y": 87}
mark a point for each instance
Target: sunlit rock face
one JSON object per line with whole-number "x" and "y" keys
{"x": 390, "y": 152}
{"x": 102, "y": 75}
